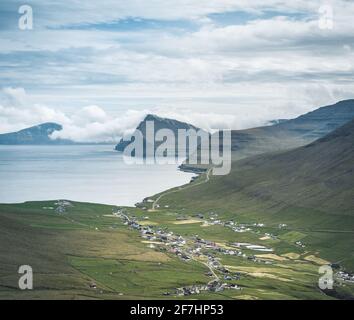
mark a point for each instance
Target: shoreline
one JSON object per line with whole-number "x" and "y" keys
{"x": 95, "y": 174}
{"x": 182, "y": 167}
{"x": 192, "y": 169}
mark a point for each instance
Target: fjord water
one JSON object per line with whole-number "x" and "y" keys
{"x": 90, "y": 173}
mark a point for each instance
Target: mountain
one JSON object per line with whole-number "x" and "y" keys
{"x": 292, "y": 133}
{"x": 37, "y": 135}
{"x": 287, "y": 134}
{"x": 277, "y": 121}
{"x": 309, "y": 188}
{"x": 159, "y": 123}
{"x": 319, "y": 175}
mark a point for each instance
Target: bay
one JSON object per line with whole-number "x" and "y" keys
{"x": 89, "y": 173}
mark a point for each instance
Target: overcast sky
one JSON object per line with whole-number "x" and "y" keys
{"x": 98, "y": 66}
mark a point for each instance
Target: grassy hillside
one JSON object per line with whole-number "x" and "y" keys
{"x": 70, "y": 251}
{"x": 85, "y": 245}
{"x": 310, "y": 188}
{"x": 297, "y": 205}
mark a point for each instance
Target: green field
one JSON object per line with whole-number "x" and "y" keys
{"x": 84, "y": 245}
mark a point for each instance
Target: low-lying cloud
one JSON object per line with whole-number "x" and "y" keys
{"x": 18, "y": 110}
{"x": 88, "y": 124}
{"x": 93, "y": 124}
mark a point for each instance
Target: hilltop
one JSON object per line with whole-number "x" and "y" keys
{"x": 319, "y": 175}
{"x": 310, "y": 188}
{"x": 288, "y": 134}
{"x": 36, "y": 135}
{"x": 159, "y": 123}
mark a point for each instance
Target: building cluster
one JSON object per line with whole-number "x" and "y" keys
{"x": 300, "y": 244}
{"x": 187, "y": 250}
{"x": 158, "y": 236}
{"x": 62, "y": 205}
{"x": 212, "y": 286}
{"x": 234, "y": 226}
{"x": 146, "y": 204}
{"x": 270, "y": 236}
{"x": 250, "y": 246}
{"x": 344, "y": 276}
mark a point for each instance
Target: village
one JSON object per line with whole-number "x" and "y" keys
{"x": 195, "y": 249}
{"x": 343, "y": 276}
{"x": 223, "y": 252}
{"x": 201, "y": 250}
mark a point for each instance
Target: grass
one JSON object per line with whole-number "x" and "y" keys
{"x": 292, "y": 236}
{"x": 70, "y": 251}
{"x": 330, "y": 235}
{"x": 310, "y": 189}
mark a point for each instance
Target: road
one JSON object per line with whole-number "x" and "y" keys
{"x": 216, "y": 277}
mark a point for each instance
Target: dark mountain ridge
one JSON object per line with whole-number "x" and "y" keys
{"x": 310, "y": 189}
{"x": 36, "y": 135}
{"x": 318, "y": 176}
{"x": 292, "y": 133}
{"x": 288, "y": 134}
{"x": 159, "y": 123}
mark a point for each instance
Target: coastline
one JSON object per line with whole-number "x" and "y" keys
{"x": 192, "y": 169}
{"x": 81, "y": 173}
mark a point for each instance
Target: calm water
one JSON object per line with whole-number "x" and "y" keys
{"x": 80, "y": 173}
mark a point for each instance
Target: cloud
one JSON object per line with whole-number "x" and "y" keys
{"x": 67, "y": 12}
{"x": 213, "y": 63}
{"x": 18, "y": 111}
{"x": 93, "y": 124}
{"x": 88, "y": 124}
{"x": 107, "y": 130}
{"x": 90, "y": 114}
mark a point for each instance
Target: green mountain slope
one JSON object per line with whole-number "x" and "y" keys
{"x": 309, "y": 188}
{"x": 318, "y": 175}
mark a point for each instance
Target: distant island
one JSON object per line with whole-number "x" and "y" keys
{"x": 38, "y": 135}
{"x": 159, "y": 123}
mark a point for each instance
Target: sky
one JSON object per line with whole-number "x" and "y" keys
{"x": 97, "y": 67}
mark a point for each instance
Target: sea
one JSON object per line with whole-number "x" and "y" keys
{"x": 85, "y": 173}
